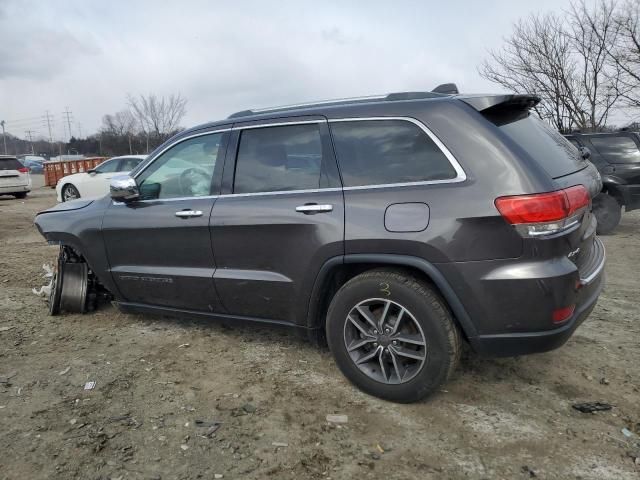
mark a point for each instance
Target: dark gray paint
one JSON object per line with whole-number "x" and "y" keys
{"x": 406, "y": 217}
{"x": 255, "y": 257}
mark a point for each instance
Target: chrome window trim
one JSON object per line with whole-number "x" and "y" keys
{"x": 180, "y": 140}
{"x": 460, "y": 173}
{"x": 461, "y": 176}
{"x": 278, "y": 124}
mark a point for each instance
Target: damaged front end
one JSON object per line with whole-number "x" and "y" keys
{"x": 76, "y": 284}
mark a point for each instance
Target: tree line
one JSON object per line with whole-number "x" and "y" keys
{"x": 584, "y": 63}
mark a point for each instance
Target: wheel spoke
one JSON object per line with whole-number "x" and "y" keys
{"x": 396, "y": 364}
{"x": 362, "y": 328}
{"x": 367, "y": 317}
{"x": 413, "y": 339}
{"x": 405, "y": 352}
{"x": 398, "y": 320}
{"x": 359, "y": 343}
{"x": 383, "y": 316}
{"x": 365, "y": 358}
{"x": 383, "y": 366}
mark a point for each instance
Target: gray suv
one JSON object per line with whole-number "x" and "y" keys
{"x": 395, "y": 227}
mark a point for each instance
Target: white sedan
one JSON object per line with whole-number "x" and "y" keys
{"x": 95, "y": 183}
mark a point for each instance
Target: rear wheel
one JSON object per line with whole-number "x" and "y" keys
{"x": 20, "y": 195}
{"x": 392, "y": 335}
{"x": 608, "y": 213}
{"x": 69, "y": 192}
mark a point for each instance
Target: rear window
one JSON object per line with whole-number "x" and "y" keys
{"x": 617, "y": 149}
{"x": 544, "y": 144}
{"x": 10, "y": 164}
{"x": 379, "y": 152}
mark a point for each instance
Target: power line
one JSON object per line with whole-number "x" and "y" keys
{"x": 68, "y": 113}
{"x": 28, "y": 133}
{"x": 48, "y": 117}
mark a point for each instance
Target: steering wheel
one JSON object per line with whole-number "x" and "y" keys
{"x": 194, "y": 182}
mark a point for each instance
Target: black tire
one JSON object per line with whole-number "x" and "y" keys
{"x": 20, "y": 195}
{"x": 608, "y": 213}
{"x": 425, "y": 308}
{"x": 69, "y": 191}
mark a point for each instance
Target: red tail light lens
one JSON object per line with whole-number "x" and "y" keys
{"x": 562, "y": 314}
{"x": 544, "y": 213}
{"x": 23, "y": 170}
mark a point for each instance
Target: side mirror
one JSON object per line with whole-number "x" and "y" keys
{"x": 585, "y": 152}
{"x": 123, "y": 188}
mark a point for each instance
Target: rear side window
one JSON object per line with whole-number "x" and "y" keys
{"x": 281, "y": 158}
{"x": 617, "y": 149}
{"x": 128, "y": 164}
{"x": 10, "y": 164}
{"x": 544, "y": 144}
{"x": 108, "y": 166}
{"x": 378, "y": 152}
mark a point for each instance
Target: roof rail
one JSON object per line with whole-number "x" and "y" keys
{"x": 397, "y": 96}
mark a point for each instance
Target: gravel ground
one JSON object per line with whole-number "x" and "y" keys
{"x": 155, "y": 377}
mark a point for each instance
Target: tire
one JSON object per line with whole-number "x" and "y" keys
{"x": 20, "y": 195}
{"x": 608, "y": 213}
{"x": 69, "y": 192}
{"x": 426, "y": 318}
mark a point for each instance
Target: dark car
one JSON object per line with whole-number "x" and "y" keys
{"x": 617, "y": 157}
{"x": 397, "y": 226}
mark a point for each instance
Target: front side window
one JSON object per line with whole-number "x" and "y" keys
{"x": 617, "y": 149}
{"x": 280, "y": 158}
{"x": 128, "y": 164}
{"x": 378, "y": 152}
{"x": 185, "y": 170}
{"x": 107, "y": 167}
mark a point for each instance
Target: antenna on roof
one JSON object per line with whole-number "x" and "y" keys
{"x": 447, "y": 89}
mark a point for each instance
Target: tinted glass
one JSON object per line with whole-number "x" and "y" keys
{"x": 279, "y": 158}
{"x": 185, "y": 170}
{"x": 128, "y": 164}
{"x": 574, "y": 143}
{"x": 547, "y": 146}
{"x": 617, "y": 149}
{"x": 375, "y": 152}
{"x": 108, "y": 166}
{"x": 10, "y": 164}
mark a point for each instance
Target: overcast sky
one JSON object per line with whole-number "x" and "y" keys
{"x": 229, "y": 56}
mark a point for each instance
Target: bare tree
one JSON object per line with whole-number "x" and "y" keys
{"x": 564, "y": 61}
{"x": 625, "y": 56}
{"x": 158, "y": 116}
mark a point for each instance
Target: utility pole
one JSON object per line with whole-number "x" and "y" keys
{"x": 67, "y": 113}
{"x": 48, "y": 119}
{"x": 4, "y": 137}
{"x": 28, "y": 133}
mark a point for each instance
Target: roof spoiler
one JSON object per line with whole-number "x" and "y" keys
{"x": 514, "y": 101}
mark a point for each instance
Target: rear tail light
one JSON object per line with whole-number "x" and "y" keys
{"x": 563, "y": 314}
{"x": 23, "y": 170}
{"x": 544, "y": 213}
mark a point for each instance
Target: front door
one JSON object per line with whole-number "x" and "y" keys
{"x": 280, "y": 218}
{"x": 159, "y": 247}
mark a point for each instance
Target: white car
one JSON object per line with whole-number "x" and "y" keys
{"x": 95, "y": 183}
{"x": 14, "y": 177}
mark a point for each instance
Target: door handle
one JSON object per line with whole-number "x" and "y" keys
{"x": 189, "y": 213}
{"x": 312, "y": 208}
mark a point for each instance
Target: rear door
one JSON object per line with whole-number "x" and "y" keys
{"x": 622, "y": 153}
{"x": 280, "y": 218}
{"x": 159, "y": 247}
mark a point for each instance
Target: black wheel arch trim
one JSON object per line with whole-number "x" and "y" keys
{"x": 429, "y": 269}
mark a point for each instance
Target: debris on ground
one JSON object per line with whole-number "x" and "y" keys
{"x": 528, "y": 470}
{"x": 5, "y": 378}
{"x": 591, "y": 407}
{"x": 65, "y": 371}
{"x": 627, "y": 433}
{"x": 249, "y": 408}
{"x": 279, "y": 444}
{"x": 184, "y": 345}
{"x": 212, "y": 426}
{"x": 45, "y": 290}
{"x": 90, "y": 385}
{"x": 331, "y": 418}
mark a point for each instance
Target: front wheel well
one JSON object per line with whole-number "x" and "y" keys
{"x": 340, "y": 274}
{"x": 613, "y": 192}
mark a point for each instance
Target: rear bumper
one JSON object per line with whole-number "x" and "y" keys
{"x": 511, "y": 302}
{"x": 513, "y": 344}
{"x": 630, "y": 195}
{"x": 5, "y": 189}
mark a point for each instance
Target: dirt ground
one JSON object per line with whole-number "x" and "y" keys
{"x": 497, "y": 418}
